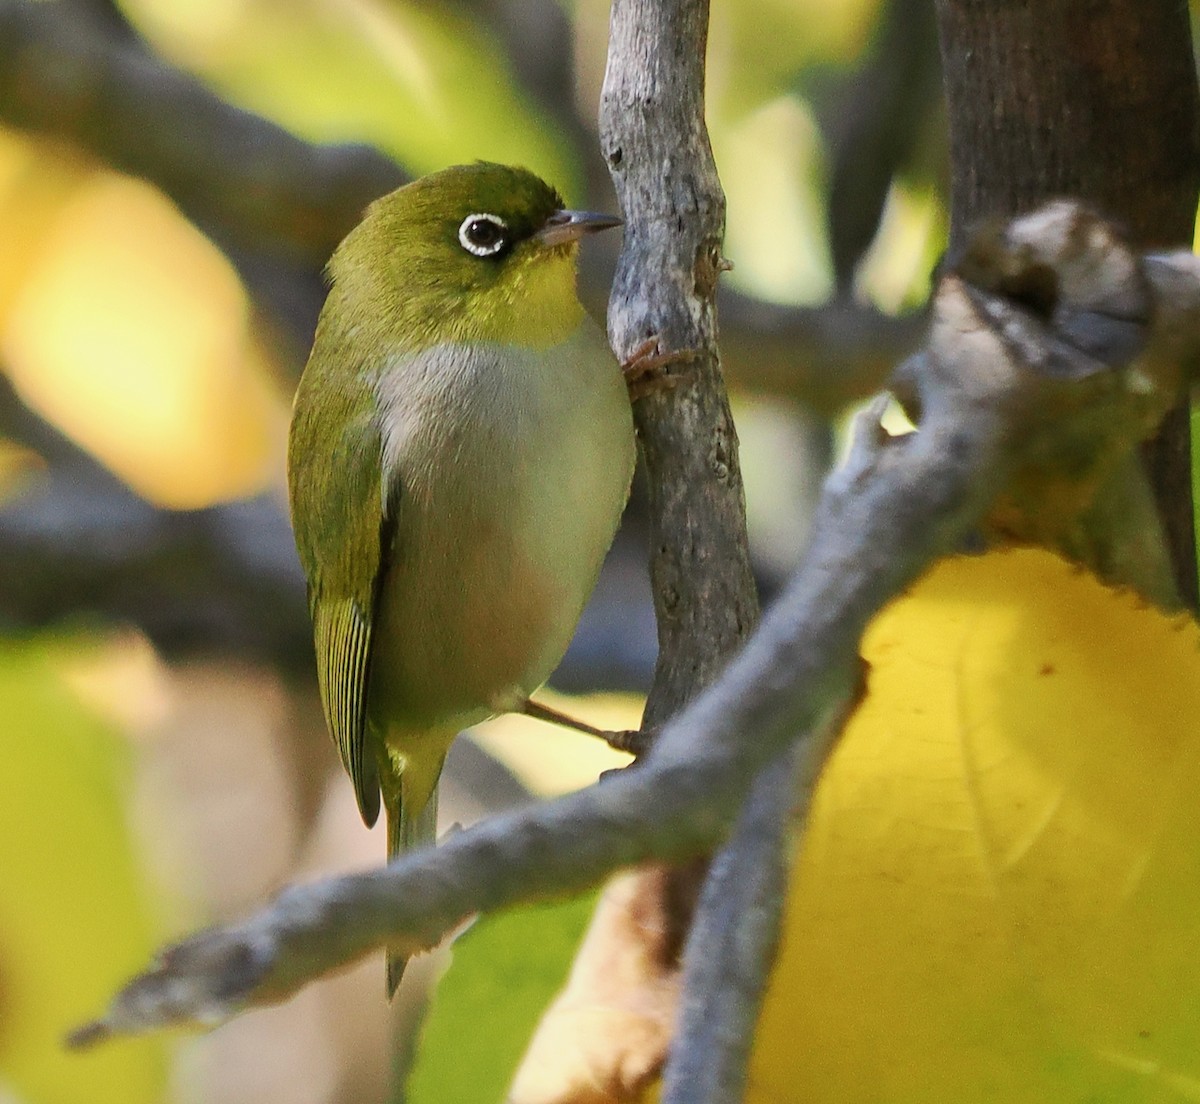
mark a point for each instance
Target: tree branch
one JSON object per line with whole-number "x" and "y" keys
{"x": 998, "y": 384}
{"x": 732, "y": 945}
{"x": 826, "y": 357}
{"x": 656, "y": 145}
{"x": 872, "y": 125}
{"x": 61, "y": 74}
{"x": 77, "y": 540}
{"x": 734, "y": 938}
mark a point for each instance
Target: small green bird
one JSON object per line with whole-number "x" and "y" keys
{"x": 460, "y": 452}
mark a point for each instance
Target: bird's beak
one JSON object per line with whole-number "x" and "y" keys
{"x": 569, "y": 226}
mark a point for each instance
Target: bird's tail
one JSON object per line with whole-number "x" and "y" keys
{"x": 410, "y": 823}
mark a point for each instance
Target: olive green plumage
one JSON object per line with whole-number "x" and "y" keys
{"x": 460, "y": 451}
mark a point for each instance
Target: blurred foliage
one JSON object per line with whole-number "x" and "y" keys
{"x": 139, "y": 345}
{"x": 423, "y": 81}
{"x": 75, "y": 914}
{"x": 503, "y": 973}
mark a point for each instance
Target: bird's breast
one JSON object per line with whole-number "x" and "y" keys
{"x": 513, "y": 467}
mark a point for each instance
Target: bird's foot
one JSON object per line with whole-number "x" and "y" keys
{"x": 648, "y": 369}
{"x": 635, "y": 741}
{"x": 632, "y": 741}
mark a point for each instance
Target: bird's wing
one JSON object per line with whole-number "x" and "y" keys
{"x": 344, "y": 534}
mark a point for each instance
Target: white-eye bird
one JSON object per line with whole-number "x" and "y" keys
{"x": 460, "y": 452}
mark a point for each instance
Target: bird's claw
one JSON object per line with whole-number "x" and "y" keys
{"x": 648, "y": 369}
{"x": 635, "y": 741}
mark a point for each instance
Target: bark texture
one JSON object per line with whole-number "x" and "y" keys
{"x": 655, "y": 142}
{"x": 654, "y": 139}
{"x": 1053, "y": 97}
{"x": 1096, "y": 100}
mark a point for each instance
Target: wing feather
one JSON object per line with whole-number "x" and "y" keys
{"x": 344, "y": 538}
{"x": 342, "y": 633}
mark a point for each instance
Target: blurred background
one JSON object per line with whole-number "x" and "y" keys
{"x": 173, "y": 176}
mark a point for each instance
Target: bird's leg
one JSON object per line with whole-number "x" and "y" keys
{"x": 648, "y": 369}
{"x": 632, "y": 741}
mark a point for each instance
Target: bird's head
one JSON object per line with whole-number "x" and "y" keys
{"x": 480, "y": 252}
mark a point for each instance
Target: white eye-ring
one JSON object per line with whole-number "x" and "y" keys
{"x": 483, "y": 234}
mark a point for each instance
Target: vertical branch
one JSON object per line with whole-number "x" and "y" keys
{"x": 654, "y": 139}
{"x": 872, "y": 125}
{"x": 734, "y": 940}
{"x": 656, "y": 144}
{"x": 1049, "y": 98}
{"x": 732, "y": 946}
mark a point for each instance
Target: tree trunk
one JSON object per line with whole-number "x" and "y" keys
{"x": 1096, "y": 100}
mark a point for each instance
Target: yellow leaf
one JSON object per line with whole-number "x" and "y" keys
{"x": 130, "y": 331}
{"x": 998, "y": 894}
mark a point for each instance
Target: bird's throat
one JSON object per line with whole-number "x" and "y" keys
{"x": 536, "y": 305}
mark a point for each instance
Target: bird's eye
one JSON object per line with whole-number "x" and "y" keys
{"x": 483, "y": 235}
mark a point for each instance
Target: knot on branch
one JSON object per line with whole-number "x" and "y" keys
{"x": 1049, "y": 319}
{"x": 1069, "y": 269}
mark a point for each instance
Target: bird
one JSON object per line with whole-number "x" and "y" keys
{"x": 459, "y": 455}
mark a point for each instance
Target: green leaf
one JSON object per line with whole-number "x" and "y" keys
{"x": 424, "y": 81}
{"x": 75, "y": 919}
{"x": 505, "y": 971}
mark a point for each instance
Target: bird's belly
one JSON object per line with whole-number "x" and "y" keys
{"x": 502, "y": 546}
{"x": 479, "y": 631}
